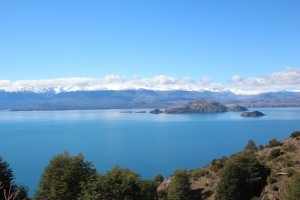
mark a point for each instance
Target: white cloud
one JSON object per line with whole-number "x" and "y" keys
{"x": 288, "y": 79}
{"x": 236, "y": 78}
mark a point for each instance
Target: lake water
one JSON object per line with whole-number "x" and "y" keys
{"x": 147, "y": 143}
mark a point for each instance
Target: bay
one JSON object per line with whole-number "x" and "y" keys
{"x": 146, "y": 143}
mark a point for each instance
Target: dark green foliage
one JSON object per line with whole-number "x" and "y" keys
{"x": 293, "y": 192}
{"x": 251, "y": 146}
{"x": 63, "y": 176}
{"x": 295, "y": 134}
{"x": 218, "y": 164}
{"x": 275, "y": 153}
{"x": 115, "y": 184}
{"x": 162, "y": 195}
{"x": 7, "y": 185}
{"x": 6, "y": 177}
{"x": 22, "y": 193}
{"x": 243, "y": 177}
{"x": 158, "y": 179}
{"x": 148, "y": 190}
{"x": 261, "y": 147}
{"x": 179, "y": 188}
{"x": 274, "y": 143}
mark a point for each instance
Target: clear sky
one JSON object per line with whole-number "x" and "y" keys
{"x": 47, "y": 39}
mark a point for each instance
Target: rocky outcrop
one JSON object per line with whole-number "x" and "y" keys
{"x": 236, "y": 108}
{"x": 252, "y": 114}
{"x": 198, "y": 106}
{"x": 156, "y": 111}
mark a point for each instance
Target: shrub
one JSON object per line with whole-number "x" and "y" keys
{"x": 251, "y": 146}
{"x": 288, "y": 162}
{"x": 261, "y": 147}
{"x": 274, "y": 143}
{"x": 180, "y": 186}
{"x": 158, "y": 179}
{"x": 295, "y": 134}
{"x": 219, "y": 164}
{"x": 275, "y": 153}
{"x": 243, "y": 177}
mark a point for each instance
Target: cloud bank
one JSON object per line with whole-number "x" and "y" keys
{"x": 288, "y": 79}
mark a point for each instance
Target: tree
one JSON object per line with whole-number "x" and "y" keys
{"x": 7, "y": 186}
{"x": 179, "y": 188}
{"x": 251, "y": 146}
{"x": 243, "y": 177}
{"x": 6, "y": 178}
{"x": 293, "y": 191}
{"x": 115, "y": 184}
{"x": 63, "y": 176}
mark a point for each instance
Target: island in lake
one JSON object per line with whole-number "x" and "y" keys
{"x": 201, "y": 106}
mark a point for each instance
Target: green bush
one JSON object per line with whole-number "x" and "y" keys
{"x": 243, "y": 177}
{"x": 274, "y": 143}
{"x": 63, "y": 176}
{"x": 180, "y": 186}
{"x": 295, "y": 134}
{"x": 251, "y": 146}
{"x": 218, "y": 164}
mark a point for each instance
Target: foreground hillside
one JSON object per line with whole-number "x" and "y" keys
{"x": 270, "y": 172}
{"x": 280, "y": 159}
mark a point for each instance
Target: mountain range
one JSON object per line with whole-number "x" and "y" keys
{"x": 126, "y": 99}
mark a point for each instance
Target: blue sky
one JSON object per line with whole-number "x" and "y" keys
{"x": 195, "y": 38}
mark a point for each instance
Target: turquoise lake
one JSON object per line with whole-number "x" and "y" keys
{"x": 147, "y": 143}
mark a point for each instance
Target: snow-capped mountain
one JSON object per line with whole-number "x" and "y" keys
{"x": 54, "y": 99}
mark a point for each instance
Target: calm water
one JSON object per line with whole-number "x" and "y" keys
{"x": 149, "y": 144}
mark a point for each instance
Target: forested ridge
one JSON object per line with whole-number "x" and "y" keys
{"x": 262, "y": 172}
